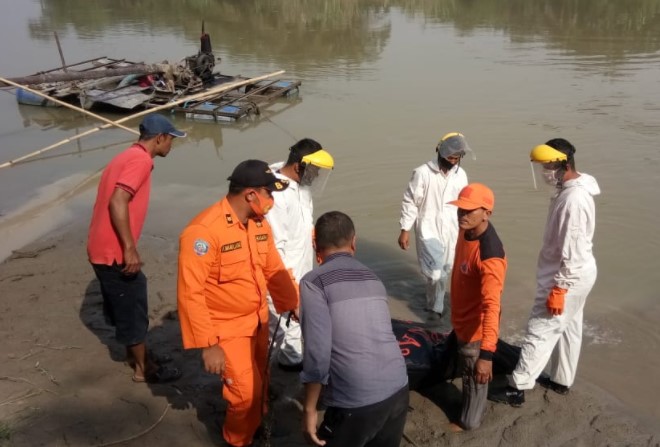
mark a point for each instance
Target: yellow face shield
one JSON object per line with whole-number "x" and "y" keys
{"x": 320, "y": 158}
{"x": 547, "y": 164}
{"x": 546, "y": 154}
{"x": 317, "y": 168}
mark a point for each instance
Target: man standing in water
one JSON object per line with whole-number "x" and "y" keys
{"x": 426, "y": 206}
{"x": 566, "y": 272}
{"x": 477, "y": 283}
{"x": 291, "y": 219}
{"x": 119, "y": 212}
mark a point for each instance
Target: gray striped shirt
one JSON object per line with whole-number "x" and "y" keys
{"x": 347, "y": 330}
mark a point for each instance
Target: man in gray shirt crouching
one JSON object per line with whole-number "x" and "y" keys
{"x": 350, "y": 351}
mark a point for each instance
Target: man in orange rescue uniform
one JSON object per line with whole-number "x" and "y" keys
{"x": 227, "y": 263}
{"x": 477, "y": 281}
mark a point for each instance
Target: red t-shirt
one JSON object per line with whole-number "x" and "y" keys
{"x": 130, "y": 171}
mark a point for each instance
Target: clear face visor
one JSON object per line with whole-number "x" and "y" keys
{"x": 314, "y": 178}
{"x": 467, "y": 152}
{"x": 547, "y": 175}
{"x": 453, "y": 148}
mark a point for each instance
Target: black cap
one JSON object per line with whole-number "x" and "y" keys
{"x": 256, "y": 174}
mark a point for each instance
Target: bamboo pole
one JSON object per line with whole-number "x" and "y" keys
{"x": 74, "y": 65}
{"x": 211, "y": 92}
{"x": 59, "y": 48}
{"x": 79, "y": 152}
{"x": 70, "y": 106}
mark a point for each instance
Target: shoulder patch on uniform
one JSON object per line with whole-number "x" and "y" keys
{"x": 230, "y": 247}
{"x": 464, "y": 268}
{"x": 229, "y": 219}
{"x": 201, "y": 247}
{"x": 259, "y": 223}
{"x": 261, "y": 237}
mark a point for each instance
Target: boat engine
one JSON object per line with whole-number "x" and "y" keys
{"x": 203, "y": 63}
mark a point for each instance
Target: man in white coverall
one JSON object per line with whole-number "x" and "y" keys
{"x": 566, "y": 272}
{"x": 426, "y": 206}
{"x": 291, "y": 219}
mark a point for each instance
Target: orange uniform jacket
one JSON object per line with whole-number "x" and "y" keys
{"x": 225, "y": 270}
{"x": 477, "y": 282}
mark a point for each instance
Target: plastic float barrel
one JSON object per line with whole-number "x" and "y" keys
{"x": 30, "y": 99}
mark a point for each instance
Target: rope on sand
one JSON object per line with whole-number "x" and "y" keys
{"x": 142, "y": 433}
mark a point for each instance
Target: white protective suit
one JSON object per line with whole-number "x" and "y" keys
{"x": 292, "y": 224}
{"x": 566, "y": 260}
{"x": 436, "y": 225}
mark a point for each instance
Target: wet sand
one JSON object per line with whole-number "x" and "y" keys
{"x": 64, "y": 382}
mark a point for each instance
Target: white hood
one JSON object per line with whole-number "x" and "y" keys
{"x": 585, "y": 181}
{"x": 433, "y": 165}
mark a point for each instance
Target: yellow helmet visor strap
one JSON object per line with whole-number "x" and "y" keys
{"x": 452, "y": 134}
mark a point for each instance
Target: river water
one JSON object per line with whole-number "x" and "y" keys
{"x": 382, "y": 82}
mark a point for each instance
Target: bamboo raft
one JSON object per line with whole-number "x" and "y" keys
{"x": 198, "y": 96}
{"x": 127, "y": 86}
{"x": 190, "y": 87}
{"x": 122, "y": 85}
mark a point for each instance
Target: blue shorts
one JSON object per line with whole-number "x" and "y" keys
{"x": 124, "y": 302}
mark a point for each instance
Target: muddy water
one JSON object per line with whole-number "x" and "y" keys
{"x": 382, "y": 82}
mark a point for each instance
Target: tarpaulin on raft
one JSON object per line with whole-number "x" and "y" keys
{"x": 430, "y": 356}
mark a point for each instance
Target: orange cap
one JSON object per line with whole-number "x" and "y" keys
{"x": 475, "y": 195}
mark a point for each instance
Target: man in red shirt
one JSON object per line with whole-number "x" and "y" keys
{"x": 119, "y": 212}
{"x": 477, "y": 281}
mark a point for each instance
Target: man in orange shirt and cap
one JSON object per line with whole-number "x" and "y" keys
{"x": 477, "y": 281}
{"x": 227, "y": 264}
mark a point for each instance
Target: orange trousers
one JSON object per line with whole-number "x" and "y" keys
{"x": 244, "y": 384}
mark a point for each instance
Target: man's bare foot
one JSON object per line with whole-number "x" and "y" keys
{"x": 162, "y": 374}
{"x": 455, "y": 428}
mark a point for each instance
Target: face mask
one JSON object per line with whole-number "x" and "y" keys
{"x": 309, "y": 174}
{"x": 260, "y": 206}
{"x": 552, "y": 176}
{"x": 445, "y": 164}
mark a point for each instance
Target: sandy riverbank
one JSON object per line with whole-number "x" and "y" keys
{"x": 64, "y": 383}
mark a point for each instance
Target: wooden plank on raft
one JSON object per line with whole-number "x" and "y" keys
{"x": 137, "y": 69}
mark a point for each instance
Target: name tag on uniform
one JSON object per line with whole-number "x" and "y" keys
{"x": 261, "y": 237}
{"x": 230, "y": 247}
